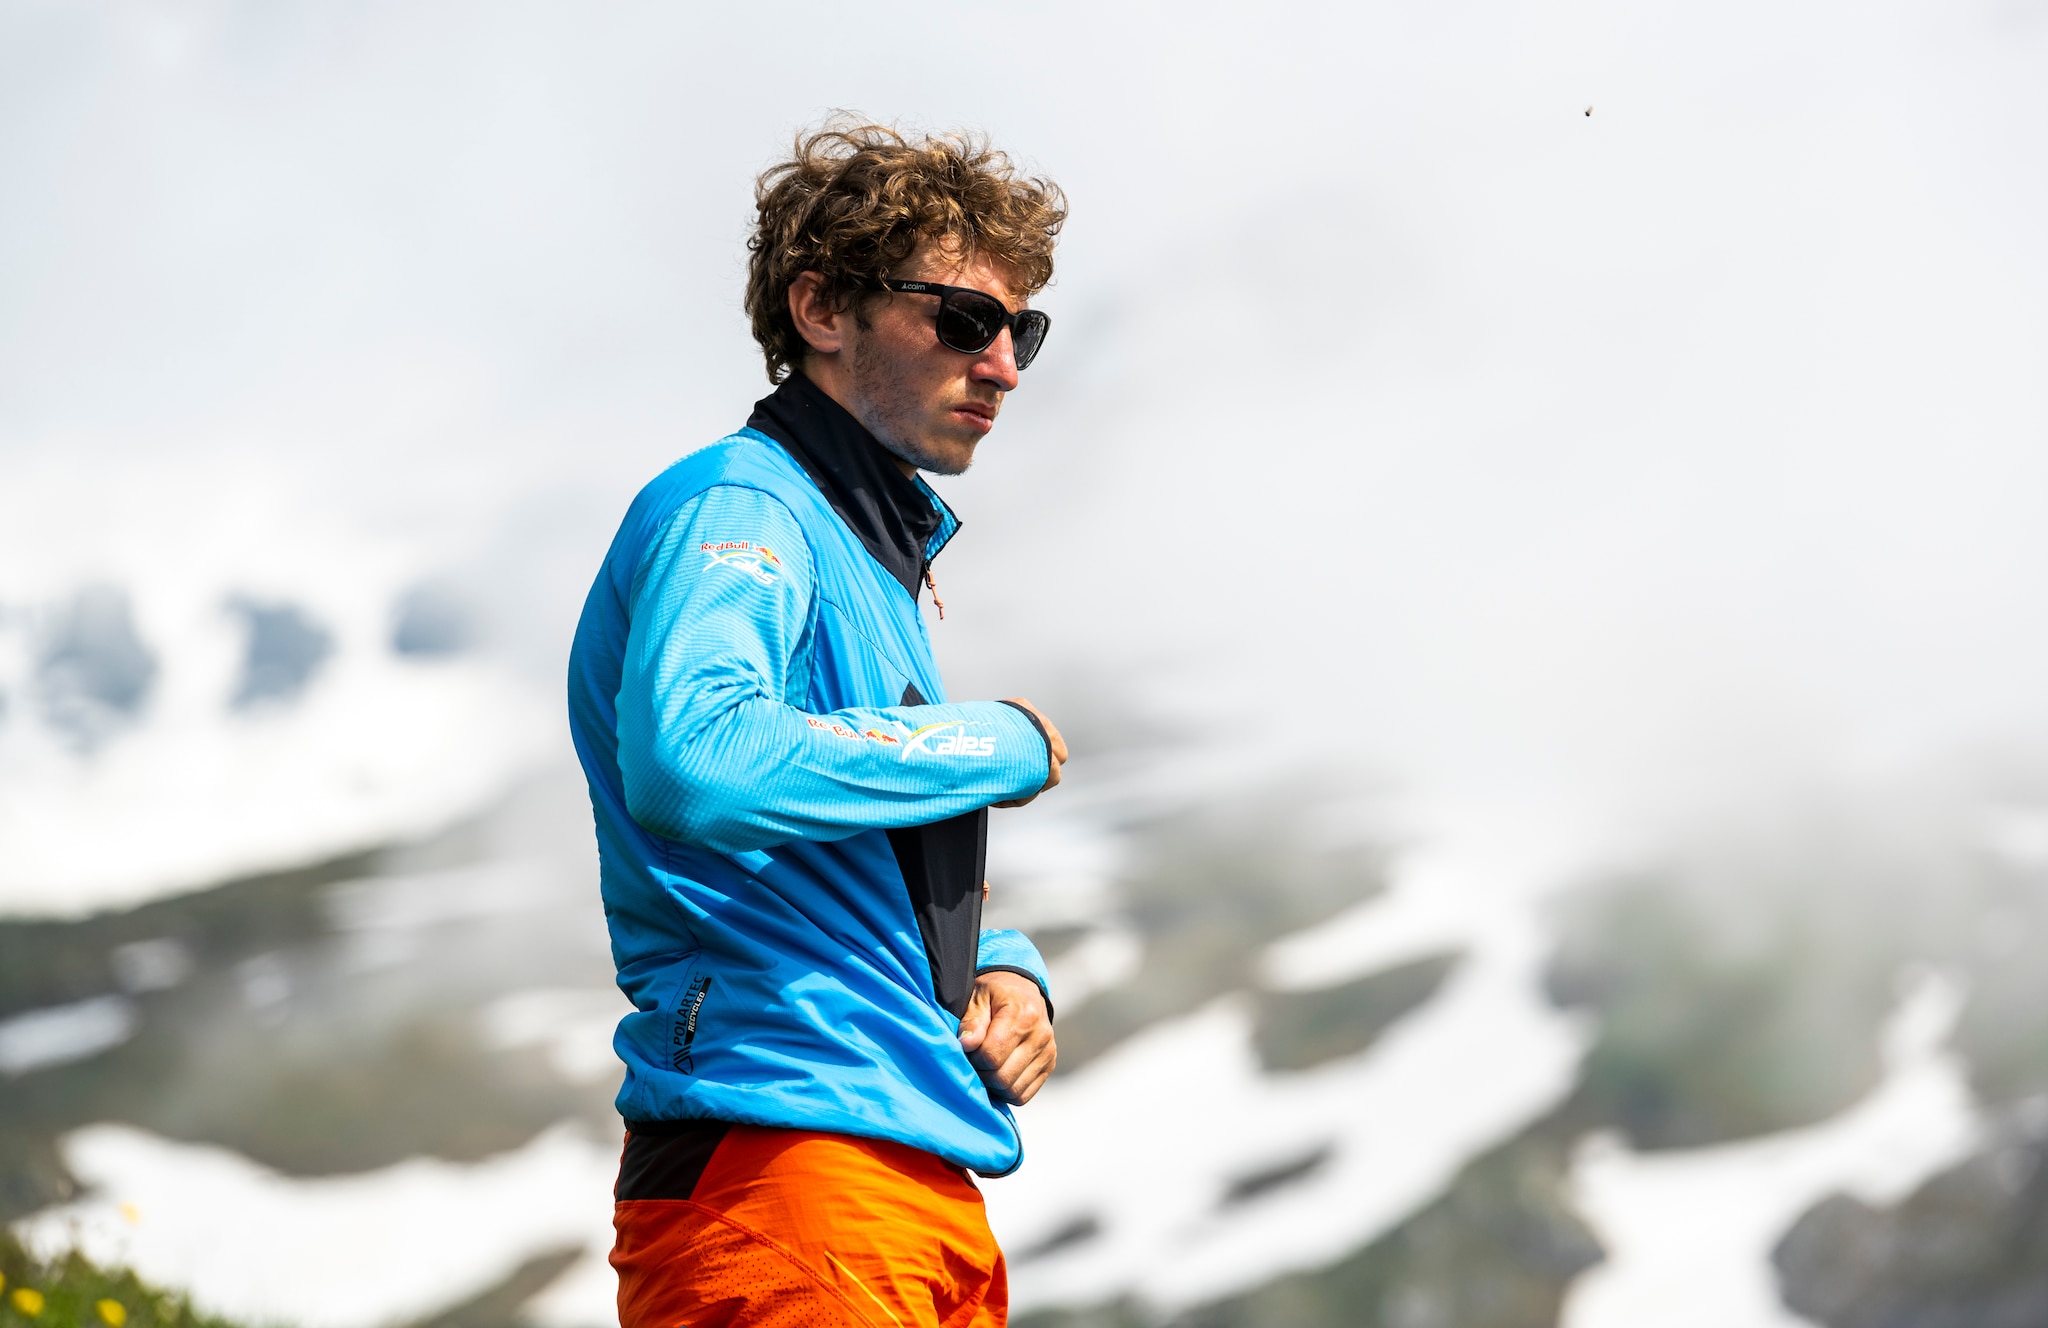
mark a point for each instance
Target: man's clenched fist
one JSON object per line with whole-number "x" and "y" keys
{"x": 1007, "y": 1033}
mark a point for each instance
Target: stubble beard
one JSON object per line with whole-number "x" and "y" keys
{"x": 891, "y": 411}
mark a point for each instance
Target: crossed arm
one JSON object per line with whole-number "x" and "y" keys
{"x": 717, "y": 616}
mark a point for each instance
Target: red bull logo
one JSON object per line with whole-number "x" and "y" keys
{"x": 743, "y": 556}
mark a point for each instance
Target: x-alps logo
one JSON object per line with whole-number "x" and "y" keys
{"x": 756, "y": 560}
{"x": 948, "y": 739}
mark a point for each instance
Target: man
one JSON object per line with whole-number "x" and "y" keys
{"x": 791, "y": 817}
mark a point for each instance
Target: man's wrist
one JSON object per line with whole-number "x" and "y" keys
{"x": 1034, "y": 979}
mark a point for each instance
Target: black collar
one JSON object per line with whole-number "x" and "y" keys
{"x": 894, "y": 515}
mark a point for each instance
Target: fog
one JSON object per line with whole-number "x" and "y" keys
{"x": 1398, "y": 407}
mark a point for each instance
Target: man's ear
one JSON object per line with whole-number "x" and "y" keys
{"x": 822, "y": 327}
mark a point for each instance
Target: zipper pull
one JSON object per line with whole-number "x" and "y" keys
{"x": 937, "y": 603}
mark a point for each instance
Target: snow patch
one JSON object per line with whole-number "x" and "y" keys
{"x": 194, "y": 777}
{"x": 1689, "y": 1233}
{"x": 361, "y": 1251}
{"x": 61, "y": 1034}
{"x": 1144, "y": 1149}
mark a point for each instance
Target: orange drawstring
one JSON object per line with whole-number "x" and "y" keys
{"x": 937, "y": 603}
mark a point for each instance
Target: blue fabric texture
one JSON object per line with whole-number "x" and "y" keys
{"x": 734, "y": 692}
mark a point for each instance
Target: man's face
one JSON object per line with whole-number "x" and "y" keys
{"x": 928, "y": 404}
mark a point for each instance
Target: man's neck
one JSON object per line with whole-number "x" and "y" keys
{"x": 894, "y": 515}
{"x": 830, "y": 375}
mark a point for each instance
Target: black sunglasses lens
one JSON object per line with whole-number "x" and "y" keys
{"x": 1030, "y": 335}
{"x": 969, "y": 321}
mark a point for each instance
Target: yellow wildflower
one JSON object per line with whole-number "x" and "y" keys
{"x": 28, "y": 1300}
{"x": 112, "y": 1313}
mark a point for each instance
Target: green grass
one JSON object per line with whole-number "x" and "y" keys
{"x": 72, "y": 1293}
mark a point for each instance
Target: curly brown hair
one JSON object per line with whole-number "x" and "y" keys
{"x": 855, "y": 200}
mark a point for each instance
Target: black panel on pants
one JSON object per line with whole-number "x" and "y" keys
{"x": 666, "y": 1159}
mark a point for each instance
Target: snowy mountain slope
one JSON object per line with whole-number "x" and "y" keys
{"x": 205, "y": 675}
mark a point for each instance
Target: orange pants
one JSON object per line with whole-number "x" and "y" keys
{"x": 770, "y": 1228}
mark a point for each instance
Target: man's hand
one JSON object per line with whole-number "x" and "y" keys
{"x": 1056, "y": 749}
{"x": 1008, "y": 1035}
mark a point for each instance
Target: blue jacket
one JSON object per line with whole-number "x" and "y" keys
{"x": 791, "y": 818}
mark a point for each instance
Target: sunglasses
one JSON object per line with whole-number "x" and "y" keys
{"x": 970, "y": 320}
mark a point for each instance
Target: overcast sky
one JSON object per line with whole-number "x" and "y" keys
{"x": 1395, "y": 407}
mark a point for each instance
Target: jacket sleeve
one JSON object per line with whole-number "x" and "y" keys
{"x": 1006, "y": 951}
{"x": 715, "y": 748}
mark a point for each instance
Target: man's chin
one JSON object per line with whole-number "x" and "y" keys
{"x": 952, "y": 464}
{"x": 938, "y": 456}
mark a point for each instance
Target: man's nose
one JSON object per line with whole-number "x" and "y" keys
{"x": 998, "y": 364}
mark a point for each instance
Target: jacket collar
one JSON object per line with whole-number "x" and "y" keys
{"x": 899, "y": 519}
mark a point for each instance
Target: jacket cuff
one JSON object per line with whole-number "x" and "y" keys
{"x": 1006, "y": 951}
{"x": 1043, "y": 737}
